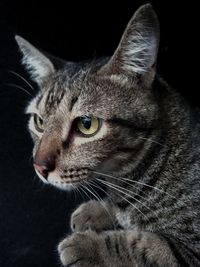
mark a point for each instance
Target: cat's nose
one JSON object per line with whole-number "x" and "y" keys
{"x": 46, "y": 156}
{"x": 42, "y": 170}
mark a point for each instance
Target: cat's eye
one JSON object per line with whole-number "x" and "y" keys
{"x": 38, "y": 122}
{"x": 87, "y": 125}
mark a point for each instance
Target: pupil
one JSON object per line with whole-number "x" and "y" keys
{"x": 86, "y": 121}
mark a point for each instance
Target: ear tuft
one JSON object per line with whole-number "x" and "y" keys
{"x": 37, "y": 64}
{"x": 141, "y": 41}
{"x": 138, "y": 48}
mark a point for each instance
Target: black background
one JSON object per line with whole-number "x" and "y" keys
{"x": 34, "y": 217}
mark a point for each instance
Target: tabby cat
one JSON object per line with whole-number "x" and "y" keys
{"x": 114, "y": 124}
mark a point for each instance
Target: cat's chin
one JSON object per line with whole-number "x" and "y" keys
{"x": 62, "y": 186}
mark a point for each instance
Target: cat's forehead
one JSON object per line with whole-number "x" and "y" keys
{"x": 80, "y": 88}
{"x": 92, "y": 95}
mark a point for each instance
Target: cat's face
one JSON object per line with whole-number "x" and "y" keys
{"x": 94, "y": 117}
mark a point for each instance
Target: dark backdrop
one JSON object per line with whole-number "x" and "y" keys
{"x": 34, "y": 217}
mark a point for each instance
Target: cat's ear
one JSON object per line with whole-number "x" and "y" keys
{"x": 37, "y": 64}
{"x": 136, "y": 54}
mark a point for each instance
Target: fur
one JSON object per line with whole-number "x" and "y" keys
{"x": 144, "y": 157}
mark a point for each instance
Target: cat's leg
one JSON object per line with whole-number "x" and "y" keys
{"x": 117, "y": 249}
{"x": 94, "y": 215}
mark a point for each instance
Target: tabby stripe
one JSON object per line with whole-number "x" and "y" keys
{"x": 47, "y": 103}
{"x": 117, "y": 247}
{"x": 73, "y": 101}
{"x": 177, "y": 253}
{"x": 38, "y": 101}
{"x": 108, "y": 244}
{"x": 135, "y": 241}
{"x": 156, "y": 176}
{"x": 144, "y": 257}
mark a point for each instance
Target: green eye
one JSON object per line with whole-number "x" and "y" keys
{"x": 88, "y": 125}
{"x": 38, "y": 122}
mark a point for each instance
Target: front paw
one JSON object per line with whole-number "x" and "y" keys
{"x": 92, "y": 215}
{"x": 81, "y": 250}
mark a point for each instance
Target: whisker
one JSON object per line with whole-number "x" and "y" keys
{"x": 103, "y": 204}
{"x": 152, "y": 141}
{"x": 82, "y": 188}
{"x": 126, "y": 200}
{"x": 121, "y": 189}
{"x": 96, "y": 197}
{"x": 80, "y": 192}
{"x": 89, "y": 184}
{"x": 19, "y": 87}
{"x": 109, "y": 197}
{"x": 21, "y": 77}
{"x": 73, "y": 191}
{"x": 77, "y": 192}
{"x": 137, "y": 188}
{"x": 135, "y": 194}
{"x": 137, "y": 182}
{"x": 97, "y": 186}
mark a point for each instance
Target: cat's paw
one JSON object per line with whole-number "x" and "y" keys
{"x": 92, "y": 215}
{"x": 81, "y": 250}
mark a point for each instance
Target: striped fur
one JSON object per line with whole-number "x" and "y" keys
{"x": 145, "y": 157}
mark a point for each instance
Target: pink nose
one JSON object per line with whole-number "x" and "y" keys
{"x": 43, "y": 170}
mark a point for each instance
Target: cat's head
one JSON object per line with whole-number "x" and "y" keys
{"x": 94, "y": 117}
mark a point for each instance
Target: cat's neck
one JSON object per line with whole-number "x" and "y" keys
{"x": 168, "y": 145}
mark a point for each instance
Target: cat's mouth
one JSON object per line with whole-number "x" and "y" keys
{"x": 66, "y": 178}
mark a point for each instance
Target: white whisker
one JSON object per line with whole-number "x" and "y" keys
{"x": 121, "y": 189}
{"x": 21, "y": 77}
{"x": 135, "y": 194}
{"x": 80, "y": 192}
{"x": 19, "y": 87}
{"x": 124, "y": 199}
{"x": 82, "y": 187}
{"x": 152, "y": 141}
{"x": 98, "y": 199}
{"x": 73, "y": 190}
{"x": 137, "y": 188}
{"x": 137, "y": 182}
{"x": 98, "y": 187}
{"x": 103, "y": 204}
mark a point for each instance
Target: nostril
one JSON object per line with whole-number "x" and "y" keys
{"x": 43, "y": 170}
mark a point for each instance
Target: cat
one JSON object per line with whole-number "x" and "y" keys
{"x": 115, "y": 124}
